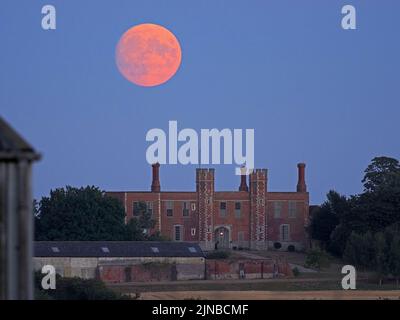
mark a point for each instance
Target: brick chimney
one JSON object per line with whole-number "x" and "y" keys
{"x": 243, "y": 180}
{"x": 155, "y": 184}
{"x": 301, "y": 184}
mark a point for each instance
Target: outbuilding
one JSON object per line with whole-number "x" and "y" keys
{"x": 122, "y": 261}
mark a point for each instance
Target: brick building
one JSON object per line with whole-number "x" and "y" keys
{"x": 252, "y": 217}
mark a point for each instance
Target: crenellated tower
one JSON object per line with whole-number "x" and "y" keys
{"x": 205, "y": 194}
{"x": 258, "y": 215}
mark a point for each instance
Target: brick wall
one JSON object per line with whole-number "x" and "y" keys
{"x": 247, "y": 269}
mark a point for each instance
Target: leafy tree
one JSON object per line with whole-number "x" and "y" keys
{"x": 382, "y": 172}
{"x": 377, "y": 208}
{"x": 338, "y": 240}
{"x": 360, "y": 250}
{"x": 87, "y": 214}
{"x": 381, "y": 256}
{"x": 79, "y": 214}
{"x": 325, "y": 219}
{"x": 138, "y": 228}
{"x": 394, "y": 257}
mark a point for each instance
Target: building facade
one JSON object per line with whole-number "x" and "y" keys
{"x": 250, "y": 218}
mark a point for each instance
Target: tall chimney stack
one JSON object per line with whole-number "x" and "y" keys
{"x": 155, "y": 184}
{"x": 243, "y": 180}
{"x": 301, "y": 184}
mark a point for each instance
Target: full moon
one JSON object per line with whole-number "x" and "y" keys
{"x": 148, "y": 55}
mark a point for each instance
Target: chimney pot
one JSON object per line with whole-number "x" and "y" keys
{"x": 243, "y": 180}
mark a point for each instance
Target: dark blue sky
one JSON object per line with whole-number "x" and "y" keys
{"x": 312, "y": 91}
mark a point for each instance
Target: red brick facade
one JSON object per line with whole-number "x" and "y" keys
{"x": 252, "y": 217}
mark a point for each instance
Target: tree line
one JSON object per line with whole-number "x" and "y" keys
{"x": 88, "y": 214}
{"x": 364, "y": 229}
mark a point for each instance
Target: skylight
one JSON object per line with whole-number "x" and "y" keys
{"x": 192, "y": 249}
{"x": 155, "y": 249}
{"x": 105, "y": 249}
{"x": 55, "y": 249}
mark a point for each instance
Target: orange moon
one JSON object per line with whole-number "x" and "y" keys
{"x": 148, "y": 55}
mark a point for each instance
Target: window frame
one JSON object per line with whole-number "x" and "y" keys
{"x": 281, "y": 232}
{"x": 169, "y": 208}
{"x": 223, "y": 212}
{"x": 180, "y": 233}
{"x": 238, "y": 212}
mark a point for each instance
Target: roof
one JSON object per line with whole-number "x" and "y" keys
{"x": 116, "y": 249}
{"x": 13, "y": 146}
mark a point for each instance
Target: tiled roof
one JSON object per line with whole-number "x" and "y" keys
{"x": 116, "y": 249}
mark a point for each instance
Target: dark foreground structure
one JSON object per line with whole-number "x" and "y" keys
{"x": 16, "y": 219}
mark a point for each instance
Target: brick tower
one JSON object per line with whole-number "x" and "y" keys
{"x": 258, "y": 216}
{"x": 205, "y": 194}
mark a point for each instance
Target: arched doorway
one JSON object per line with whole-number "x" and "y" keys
{"x": 222, "y": 238}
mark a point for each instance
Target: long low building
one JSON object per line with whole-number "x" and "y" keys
{"x": 122, "y": 261}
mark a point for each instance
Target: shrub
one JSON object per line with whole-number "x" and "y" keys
{"x": 317, "y": 259}
{"x": 75, "y": 289}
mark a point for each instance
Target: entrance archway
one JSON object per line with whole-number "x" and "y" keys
{"x": 222, "y": 238}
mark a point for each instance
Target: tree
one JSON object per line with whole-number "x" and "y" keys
{"x": 360, "y": 250}
{"x": 394, "y": 258}
{"x": 382, "y": 172}
{"x": 317, "y": 259}
{"x": 138, "y": 227}
{"x": 381, "y": 256}
{"x": 79, "y": 214}
{"x": 325, "y": 219}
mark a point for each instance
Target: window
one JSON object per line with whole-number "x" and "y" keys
{"x": 292, "y": 209}
{"x": 222, "y": 209}
{"x": 170, "y": 208}
{"x": 192, "y": 249}
{"x": 277, "y": 209}
{"x": 285, "y": 233}
{"x": 136, "y": 208}
{"x": 193, "y": 206}
{"x": 178, "y": 233}
{"x": 238, "y": 209}
{"x": 193, "y": 232}
{"x": 149, "y": 208}
{"x": 155, "y": 250}
{"x": 185, "y": 209}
